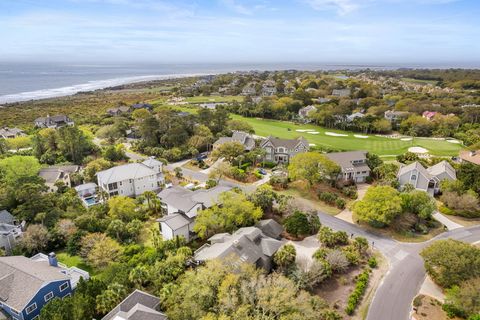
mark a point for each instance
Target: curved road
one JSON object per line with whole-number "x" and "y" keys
{"x": 393, "y": 298}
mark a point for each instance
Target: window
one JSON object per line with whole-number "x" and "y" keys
{"x": 120, "y": 183}
{"x": 64, "y": 286}
{"x": 14, "y": 312}
{"x": 112, "y": 186}
{"x": 36, "y": 317}
{"x": 31, "y": 308}
{"x": 48, "y": 296}
{"x": 414, "y": 177}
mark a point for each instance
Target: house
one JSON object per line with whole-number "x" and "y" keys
{"x": 249, "y": 90}
{"x": 306, "y": 111}
{"x": 342, "y": 93}
{"x": 54, "y": 174}
{"x": 281, "y": 150}
{"x": 28, "y": 284}
{"x": 238, "y": 136}
{"x": 322, "y": 100}
{"x": 87, "y": 192}
{"x": 138, "y": 305}
{"x": 353, "y": 116}
{"x": 132, "y": 179}
{"x": 353, "y": 165}
{"x": 8, "y": 133}
{"x": 269, "y": 88}
{"x": 427, "y": 180}
{"x": 9, "y": 236}
{"x": 118, "y": 111}
{"x": 7, "y": 217}
{"x": 53, "y": 122}
{"x": 138, "y": 106}
{"x": 394, "y": 116}
{"x": 429, "y": 115}
{"x": 470, "y": 156}
{"x": 182, "y": 207}
{"x": 246, "y": 245}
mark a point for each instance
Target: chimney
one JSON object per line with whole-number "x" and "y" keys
{"x": 473, "y": 153}
{"x": 52, "y": 259}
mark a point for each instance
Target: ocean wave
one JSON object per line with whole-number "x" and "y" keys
{"x": 85, "y": 87}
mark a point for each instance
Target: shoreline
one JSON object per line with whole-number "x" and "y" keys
{"x": 6, "y": 100}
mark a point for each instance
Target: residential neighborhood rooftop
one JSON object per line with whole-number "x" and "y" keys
{"x": 138, "y": 305}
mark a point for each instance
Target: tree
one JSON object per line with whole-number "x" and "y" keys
{"x": 284, "y": 258}
{"x": 95, "y": 166}
{"x": 220, "y": 170}
{"x": 229, "y": 151}
{"x": 313, "y": 167}
{"x": 300, "y": 223}
{"x": 16, "y": 168}
{"x": 235, "y": 212}
{"x": 105, "y": 252}
{"x": 465, "y": 297}
{"x": 330, "y": 238}
{"x": 123, "y": 208}
{"x": 419, "y": 203}
{"x": 140, "y": 114}
{"x": 73, "y": 144}
{"x": 34, "y": 239}
{"x": 240, "y": 125}
{"x": 109, "y": 298}
{"x": 379, "y": 206}
{"x": 450, "y": 262}
{"x": 263, "y": 197}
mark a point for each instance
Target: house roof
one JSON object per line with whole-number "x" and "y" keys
{"x": 152, "y": 162}
{"x": 470, "y": 156}
{"x": 238, "y": 136}
{"x": 21, "y": 278}
{"x": 184, "y": 200}
{"x": 414, "y": 166}
{"x": 138, "y": 305}
{"x": 442, "y": 167}
{"x": 174, "y": 221}
{"x": 85, "y": 186}
{"x": 270, "y": 228}
{"x": 286, "y": 143}
{"x": 10, "y": 131}
{"x": 53, "y": 173}
{"x": 247, "y": 244}
{"x": 345, "y": 160}
{"x": 125, "y": 172}
{"x": 6, "y": 217}
{"x": 6, "y": 228}
{"x": 53, "y": 119}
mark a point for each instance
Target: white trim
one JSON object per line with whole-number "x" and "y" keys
{"x": 48, "y": 299}
{"x": 32, "y": 305}
{"x": 65, "y": 283}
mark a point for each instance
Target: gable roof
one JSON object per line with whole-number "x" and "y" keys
{"x": 21, "y": 278}
{"x": 414, "y": 166}
{"x": 53, "y": 119}
{"x": 138, "y": 305}
{"x": 125, "y": 172}
{"x": 238, "y": 136}
{"x": 345, "y": 159}
{"x": 6, "y": 228}
{"x": 442, "y": 167}
{"x": 53, "y": 173}
{"x": 174, "y": 221}
{"x": 270, "y": 228}
{"x": 6, "y": 217}
{"x": 470, "y": 156}
{"x": 286, "y": 143}
{"x": 152, "y": 162}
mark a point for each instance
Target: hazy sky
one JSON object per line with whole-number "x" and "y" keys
{"x": 330, "y": 31}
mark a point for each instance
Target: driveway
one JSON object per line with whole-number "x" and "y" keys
{"x": 446, "y": 222}
{"x": 346, "y": 214}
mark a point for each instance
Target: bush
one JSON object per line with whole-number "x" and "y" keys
{"x": 337, "y": 260}
{"x": 210, "y": 183}
{"x": 352, "y": 254}
{"x": 350, "y": 192}
{"x": 238, "y": 174}
{"x": 300, "y": 223}
{"x": 357, "y": 294}
{"x": 268, "y": 164}
{"x": 340, "y": 203}
{"x": 279, "y": 182}
{"x": 331, "y": 238}
{"x": 328, "y": 197}
{"x": 372, "y": 262}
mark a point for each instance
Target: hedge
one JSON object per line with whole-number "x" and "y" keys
{"x": 356, "y": 296}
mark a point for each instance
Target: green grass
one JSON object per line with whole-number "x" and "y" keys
{"x": 74, "y": 261}
{"x": 386, "y": 147}
{"x": 202, "y": 99}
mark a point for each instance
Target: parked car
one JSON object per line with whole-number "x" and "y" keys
{"x": 262, "y": 171}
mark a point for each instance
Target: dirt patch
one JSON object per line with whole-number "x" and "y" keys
{"x": 429, "y": 308}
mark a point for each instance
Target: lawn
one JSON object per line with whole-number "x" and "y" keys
{"x": 74, "y": 261}
{"x": 386, "y": 147}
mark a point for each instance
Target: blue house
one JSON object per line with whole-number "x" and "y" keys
{"x": 28, "y": 284}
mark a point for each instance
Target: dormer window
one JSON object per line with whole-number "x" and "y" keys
{"x": 414, "y": 177}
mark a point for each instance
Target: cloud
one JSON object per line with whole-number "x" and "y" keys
{"x": 341, "y": 6}
{"x": 237, "y": 7}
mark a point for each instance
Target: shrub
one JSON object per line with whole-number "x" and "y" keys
{"x": 210, "y": 183}
{"x": 321, "y": 253}
{"x": 357, "y": 294}
{"x": 297, "y": 224}
{"x": 279, "y": 182}
{"x": 238, "y": 174}
{"x": 350, "y": 192}
{"x": 340, "y": 203}
{"x": 330, "y": 238}
{"x": 269, "y": 164}
{"x": 372, "y": 262}
{"x": 328, "y": 197}
{"x": 352, "y": 254}
{"x": 337, "y": 260}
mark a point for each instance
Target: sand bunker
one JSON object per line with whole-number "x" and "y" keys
{"x": 312, "y": 144}
{"x": 406, "y": 139}
{"x": 333, "y": 134}
{"x": 454, "y": 141}
{"x": 360, "y": 136}
{"x": 417, "y": 150}
{"x": 304, "y": 130}
{"x": 313, "y": 132}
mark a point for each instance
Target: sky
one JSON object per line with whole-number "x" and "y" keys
{"x": 241, "y": 31}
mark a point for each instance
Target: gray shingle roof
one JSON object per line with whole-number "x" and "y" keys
{"x": 286, "y": 143}
{"x": 270, "y": 228}
{"x": 174, "y": 221}
{"x": 6, "y": 217}
{"x": 125, "y": 172}
{"x": 21, "y": 278}
{"x": 138, "y": 305}
{"x": 414, "y": 166}
{"x": 442, "y": 167}
{"x": 238, "y": 136}
{"x": 345, "y": 159}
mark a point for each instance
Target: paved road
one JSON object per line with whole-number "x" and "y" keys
{"x": 402, "y": 283}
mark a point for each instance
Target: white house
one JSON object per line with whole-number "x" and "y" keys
{"x": 132, "y": 179}
{"x": 427, "y": 180}
{"x": 182, "y": 207}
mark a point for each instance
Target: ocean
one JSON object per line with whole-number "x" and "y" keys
{"x": 31, "y": 81}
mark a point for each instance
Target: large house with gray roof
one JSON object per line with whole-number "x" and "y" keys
{"x": 10, "y": 231}
{"x": 246, "y": 245}
{"x": 244, "y": 138}
{"x": 54, "y": 174}
{"x": 8, "y": 133}
{"x": 132, "y": 179}
{"x": 138, "y": 305}
{"x": 353, "y": 165}
{"x": 182, "y": 206}
{"x": 426, "y": 179}
{"x": 53, "y": 121}
{"x": 28, "y": 284}
{"x": 282, "y": 150}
